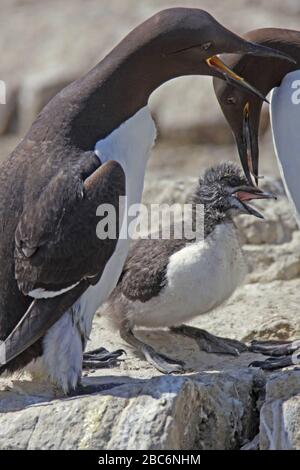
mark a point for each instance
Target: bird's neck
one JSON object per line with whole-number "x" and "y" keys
{"x": 113, "y": 91}
{"x": 213, "y": 218}
{"x": 212, "y": 215}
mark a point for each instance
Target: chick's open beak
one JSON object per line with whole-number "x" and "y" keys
{"x": 248, "y": 193}
{"x": 230, "y": 76}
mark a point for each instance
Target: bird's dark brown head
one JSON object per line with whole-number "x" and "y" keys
{"x": 243, "y": 110}
{"x": 172, "y": 43}
{"x": 187, "y": 41}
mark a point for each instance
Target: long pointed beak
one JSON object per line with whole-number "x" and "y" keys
{"x": 265, "y": 51}
{"x": 248, "y": 148}
{"x": 217, "y": 64}
{"x": 242, "y": 149}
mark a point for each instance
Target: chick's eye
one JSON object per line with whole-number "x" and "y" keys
{"x": 206, "y": 46}
{"x": 230, "y": 100}
{"x": 235, "y": 182}
{"x": 230, "y": 181}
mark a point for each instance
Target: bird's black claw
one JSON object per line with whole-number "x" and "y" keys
{"x": 163, "y": 363}
{"x": 274, "y": 348}
{"x": 273, "y": 363}
{"x": 101, "y": 358}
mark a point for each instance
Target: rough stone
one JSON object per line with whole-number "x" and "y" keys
{"x": 252, "y": 445}
{"x": 280, "y": 413}
{"x": 276, "y": 228}
{"x": 268, "y": 263}
{"x": 212, "y": 411}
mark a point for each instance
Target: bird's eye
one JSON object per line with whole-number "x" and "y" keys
{"x": 230, "y": 100}
{"x": 206, "y": 46}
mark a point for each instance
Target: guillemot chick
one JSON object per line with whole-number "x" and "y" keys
{"x": 165, "y": 283}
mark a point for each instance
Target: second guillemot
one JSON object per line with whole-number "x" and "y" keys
{"x": 166, "y": 283}
{"x": 87, "y": 147}
{"x": 243, "y": 111}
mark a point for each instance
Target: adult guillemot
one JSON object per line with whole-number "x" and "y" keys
{"x": 165, "y": 283}
{"x": 87, "y": 147}
{"x": 242, "y": 112}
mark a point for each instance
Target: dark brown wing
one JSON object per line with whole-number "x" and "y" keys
{"x": 56, "y": 243}
{"x": 45, "y": 269}
{"x": 40, "y": 316}
{"x": 144, "y": 273}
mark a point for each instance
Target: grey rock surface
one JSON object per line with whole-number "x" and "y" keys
{"x": 280, "y": 414}
{"x": 211, "y": 411}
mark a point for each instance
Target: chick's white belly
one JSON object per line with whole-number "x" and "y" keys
{"x": 199, "y": 278}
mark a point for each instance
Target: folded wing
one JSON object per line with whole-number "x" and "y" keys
{"x": 59, "y": 264}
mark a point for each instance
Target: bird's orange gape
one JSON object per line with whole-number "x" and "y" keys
{"x": 216, "y": 63}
